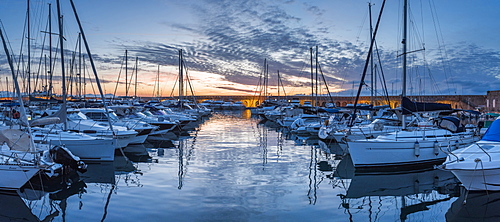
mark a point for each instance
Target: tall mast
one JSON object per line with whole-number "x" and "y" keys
{"x": 63, "y": 74}
{"x": 29, "y": 51}
{"x": 49, "y": 91}
{"x": 278, "y": 84}
{"x": 181, "y": 79}
{"x": 136, "y": 73}
{"x": 404, "y": 42}
{"x": 312, "y": 75}
{"x": 126, "y": 72}
{"x": 79, "y": 65}
{"x": 267, "y": 81}
{"x": 371, "y": 57}
{"x": 265, "y": 78}
{"x": 158, "y": 83}
{"x": 316, "y": 98}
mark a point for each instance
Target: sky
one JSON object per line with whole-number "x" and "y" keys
{"x": 453, "y": 47}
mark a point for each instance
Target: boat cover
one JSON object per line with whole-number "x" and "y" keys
{"x": 451, "y": 123}
{"x": 493, "y": 132}
{"x": 410, "y": 106}
{"x": 15, "y": 139}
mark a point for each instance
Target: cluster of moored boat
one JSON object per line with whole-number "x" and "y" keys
{"x": 83, "y": 135}
{"x": 414, "y": 136}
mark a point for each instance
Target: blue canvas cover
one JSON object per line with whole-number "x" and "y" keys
{"x": 493, "y": 132}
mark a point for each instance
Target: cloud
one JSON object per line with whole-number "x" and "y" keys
{"x": 233, "y": 37}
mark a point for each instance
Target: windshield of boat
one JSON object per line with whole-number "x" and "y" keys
{"x": 77, "y": 116}
{"x": 140, "y": 115}
{"x": 147, "y": 113}
{"x": 113, "y": 116}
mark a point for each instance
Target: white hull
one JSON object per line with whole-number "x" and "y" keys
{"x": 397, "y": 153}
{"x": 478, "y": 166}
{"x": 139, "y": 139}
{"x": 93, "y": 150}
{"x": 15, "y": 176}
{"x": 121, "y": 140}
{"x": 480, "y": 179}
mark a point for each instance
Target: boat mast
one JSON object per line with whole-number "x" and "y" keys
{"x": 80, "y": 65}
{"x": 63, "y": 74}
{"x": 158, "y": 83}
{"x": 405, "y": 33}
{"x": 49, "y": 91}
{"x": 278, "y": 86}
{"x": 266, "y": 80}
{"x": 29, "y": 52}
{"x": 404, "y": 42}
{"x": 136, "y": 73}
{"x": 312, "y": 75}
{"x": 371, "y": 60}
{"x": 126, "y": 73}
{"x": 181, "y": 79}
{"x": 317, "y": 64}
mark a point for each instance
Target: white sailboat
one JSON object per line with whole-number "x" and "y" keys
{"x": 424, "y": 146}
{"x": 20, "y": 159}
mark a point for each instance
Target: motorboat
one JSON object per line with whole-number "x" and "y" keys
{"x": 142, "y": 128}
{"x": 79, "y": 122}
{"x": 477, "y": 166}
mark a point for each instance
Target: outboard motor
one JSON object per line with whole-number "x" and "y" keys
{"x": 63, "y": 156}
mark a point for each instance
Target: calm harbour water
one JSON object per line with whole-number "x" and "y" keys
{"x": 236, "y": 168}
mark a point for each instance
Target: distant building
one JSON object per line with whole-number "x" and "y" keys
{"x": 492, "y": 99}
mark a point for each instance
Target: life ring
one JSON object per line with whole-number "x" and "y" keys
{"x": 16, "y": 115}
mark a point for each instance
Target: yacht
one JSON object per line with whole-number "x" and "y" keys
{"x": 477, "y": 166}
{"x": 142, "y": 128}
{"x": 424, "y": 146}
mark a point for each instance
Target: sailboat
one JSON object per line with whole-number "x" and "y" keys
{"x": 20, "y": 159}
{"x": 424, "y": 145}
{"x": 53, "y": 129}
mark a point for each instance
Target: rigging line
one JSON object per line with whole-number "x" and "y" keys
{"x": 189, "y": 82}
{"x": 260, "y": 83}
{"x": 131, "y": 77}
{"x": 71, "y": 80}
{"x": 382, "y": 75}
{"x": 40, "y": 61}
{"x": 282, "y": 86}
{"x": 173, "y": 88}
{"x": 192, "y": 91}
{"x": 326, "y": 85}
{"x": 118, "y": 79}
{"x": 441, "y": 44}
{"x": 90, "y": 79}
{"x": 257, "y": 89}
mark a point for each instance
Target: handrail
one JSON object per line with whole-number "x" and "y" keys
{"x": 484, "y": 151}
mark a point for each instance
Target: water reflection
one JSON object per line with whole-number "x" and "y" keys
{"x": 407, "y": 192}
{"x": 233, "y": 168}
{"x": 41, "y": 199}
{"x": 13, "y": 208}
{"x": 475, "y": 206}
